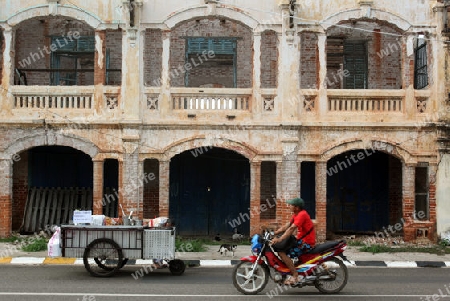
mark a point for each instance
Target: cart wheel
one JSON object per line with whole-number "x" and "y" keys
{"x": 101, "y": 265}
{"x": 124, "y": 262}
{"x": 177, "y": 267}
{"x": 102, "y": 257}
{"x": 108, "y": 268}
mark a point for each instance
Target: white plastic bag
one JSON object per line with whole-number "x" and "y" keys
{"x": 54, "y": 246}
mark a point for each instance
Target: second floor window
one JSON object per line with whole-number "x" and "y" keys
{"x": 420, "y": 65}
{"x": 210, "y": 62}
{"x": 73, "y": 61}
{"x": 355, "y": 62}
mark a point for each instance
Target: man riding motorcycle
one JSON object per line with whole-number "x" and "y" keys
{"x": 304, "y": 240}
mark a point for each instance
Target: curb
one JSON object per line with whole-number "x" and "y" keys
{"x": 218, "y": 263}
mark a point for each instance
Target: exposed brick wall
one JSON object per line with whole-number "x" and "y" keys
{"x": 5, "y": 215}
{"x": 269, "y": 59}
{"x": 164, "y": 189}
{"x": 114, "y": 44}
{"x": 151, "y": 189}
{"x": 255, "y": 194}
{"x": 31, "y": 37}
{"x": 383, "y": 72}
{"x": 211, "y": 77}
{"x": 395, "y": 190}
{"x": 308, "y": 60}
{"x": 416, "y": 230}
{"x": 152, "y": 57}
{"x": 268, "y": 190}
{"x": 20, "y": 190}
{"x": 212, "y": 28}
{"x": 97, "y": 195}
{"x": 321, "y": 201}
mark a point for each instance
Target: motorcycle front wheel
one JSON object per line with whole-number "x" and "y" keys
{"x": 246, "y": 284}
{"x": 332, "y": 276}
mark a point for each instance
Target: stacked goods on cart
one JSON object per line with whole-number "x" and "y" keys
{"x": 158, "y": 222}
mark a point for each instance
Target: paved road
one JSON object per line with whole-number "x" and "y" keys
{"x": 53, "y": 283}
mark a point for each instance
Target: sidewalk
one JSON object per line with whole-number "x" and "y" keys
{"x": 212, "y": 257}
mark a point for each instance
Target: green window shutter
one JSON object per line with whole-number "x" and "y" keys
{"x": 219, "y": 46}
{"x": 86, "y": 44}
{"x": 420, "y": 67}
{"x": 355, "y": 61}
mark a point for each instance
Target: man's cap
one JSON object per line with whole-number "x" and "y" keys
{"x": 299, "y": 202}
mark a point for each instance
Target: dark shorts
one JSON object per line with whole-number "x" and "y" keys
{"x": 285, "y": 245}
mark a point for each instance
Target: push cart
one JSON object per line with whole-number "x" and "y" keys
{"x": 106, "y": 249}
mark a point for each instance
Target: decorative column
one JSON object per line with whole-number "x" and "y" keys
{"x": 257, "y": 103}
{"x": 321, "y": 201}
{"x": 322, "y": 97}
{"x": 255, "y": 197}
{"x": 290, "y": 187}
{"x": 140, "y": 192}
{"x": 408, "y": 202}
{"x": 164, "y": 187}
{"x": 164, "y": 100}
{"x": 97, "y": 190}
{"x": 288, "y": 65}
{"x": 6, "y": 98}
{"x": 131, "y": 67}
{"x": 131, "y": 183}
{"x": 6, "y": 182}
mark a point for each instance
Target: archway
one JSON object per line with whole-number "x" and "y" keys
{"x": 209, "y": 190}
{"x": 49, "y": 182}
{"x": 364, "y": 191}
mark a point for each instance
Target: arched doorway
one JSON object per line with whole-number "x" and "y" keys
{"x": 49, "y": 182}
{"x": 209, "y": 187}
{"x": 364, "y": 191}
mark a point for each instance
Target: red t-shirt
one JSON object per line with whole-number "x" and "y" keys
{"x": 304, "y": 224}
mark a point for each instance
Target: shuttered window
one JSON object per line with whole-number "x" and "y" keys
{"x": 420, "y": 65}
{"x": 70, "y": 58}
{"x": 218, "y": 46}
{"x": 355, "y": 61}
{"x": 222, "y": 64}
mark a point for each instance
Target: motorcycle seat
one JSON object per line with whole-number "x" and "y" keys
{"x": 324, "y": 247}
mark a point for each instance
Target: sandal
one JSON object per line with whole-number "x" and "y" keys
{"x": 290, "y": 281}
{"x": 293, "y": 280}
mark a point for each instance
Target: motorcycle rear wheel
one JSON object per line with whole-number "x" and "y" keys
{"x": 250, "y": 285}
{"x": 332, "y": 279}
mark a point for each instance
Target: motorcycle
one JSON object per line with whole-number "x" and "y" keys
{"x": 320, "y": 267}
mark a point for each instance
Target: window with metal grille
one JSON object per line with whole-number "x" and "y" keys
{"x": 421, "y": 192}
{"x": 355, "y": 62}
{"x": 212, "y": 61}
{"x": 420, "y": 65}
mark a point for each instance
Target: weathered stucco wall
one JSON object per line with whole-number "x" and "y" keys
{"x": 442, "y": 195}
{"x": 136, "y": 118}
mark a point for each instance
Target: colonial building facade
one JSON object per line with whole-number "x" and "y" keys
{"x": 213, "y": 113}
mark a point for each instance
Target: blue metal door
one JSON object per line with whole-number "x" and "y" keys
{"x": 209, "y": 190}
{"x": 358, "y": 192}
